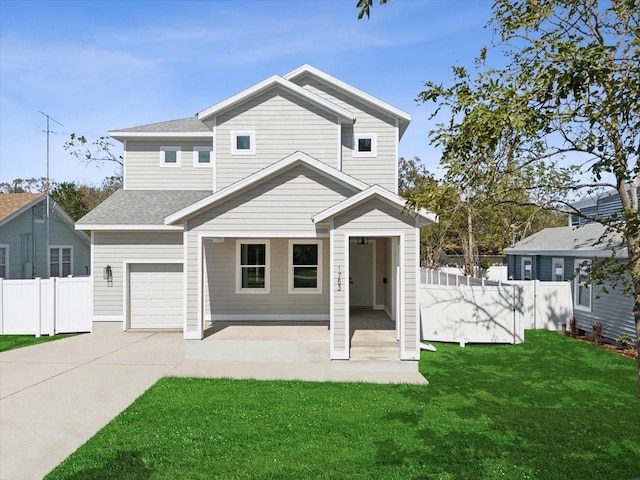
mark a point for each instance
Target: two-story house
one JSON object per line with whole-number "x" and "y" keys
{"x": 564, "y": 254}
{"x": 277, "y": 204}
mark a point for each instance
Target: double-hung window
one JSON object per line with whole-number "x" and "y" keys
{"x": 170, "y": 156}
{"x": 60, "y": 261}
{"x": 527, "y": 268}
{"x": 252, "y": 266}
{"x": 582, "y": 286}
{"x": 305, "y": 266}
{"x": 557, "y": 269}
{"x": 4, "y": 261}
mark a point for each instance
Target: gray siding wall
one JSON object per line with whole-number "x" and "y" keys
{"x": 220, "y": 296}
{"x": 143, "y": 171}
{"x": 379, "y": 170}
{"x": 113, "y": 248}
{"x": 282, "y": 124}
{"x": 59, "y": 234}
{"x": 514, "y": 266}
{"x": 376, "y": 215}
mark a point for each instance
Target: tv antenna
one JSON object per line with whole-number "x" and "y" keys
{"x": 47, "y": 188}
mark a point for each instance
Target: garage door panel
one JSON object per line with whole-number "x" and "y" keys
{"x": 156, "y": 296}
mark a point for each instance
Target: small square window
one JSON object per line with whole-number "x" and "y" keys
{"x": 243, "y": 143}
{"x": 170, "y": 156}
{"x": 365, "y": 145}
{"x": 201, "y": 156}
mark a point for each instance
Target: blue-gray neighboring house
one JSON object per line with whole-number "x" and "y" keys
{"x": 24, "y": 250}
{"x": 564, "y": 253}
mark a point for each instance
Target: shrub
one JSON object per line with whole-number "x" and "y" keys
{"x": 596, "y": 332}
{"x": 625, "y": 341}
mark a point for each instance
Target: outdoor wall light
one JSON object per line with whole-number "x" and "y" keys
{"x": 107, "y": 273}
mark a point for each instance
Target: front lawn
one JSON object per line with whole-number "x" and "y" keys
{"x": 9, "y": 342}
{"x": 550, "y": 408}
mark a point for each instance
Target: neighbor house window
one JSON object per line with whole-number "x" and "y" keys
{"x": 4, "y": 261}
{"x": 557, "y": 269}
{"x": 60, "y": 261}
{"x": 243, "y": 143}
{"x": 365, "y": 145}
{"x": 170, "y": 156}
{"x": 252, "y": 266}
{"x": 201, "y": 156}
{"x": 305, "y": 266}
{"x": 38, "y": 213}
{"x": 527, "y": 269}
{"x": 581, "y": 286}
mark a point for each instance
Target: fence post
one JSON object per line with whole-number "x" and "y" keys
{"x": 39, "y": 302}
{"x": 1, "y": 306}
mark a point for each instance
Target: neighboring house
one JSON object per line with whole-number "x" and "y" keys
{"x": 277, "y": 204}
{"x": 23, "y": 239}
{"x": 563, "y": 253}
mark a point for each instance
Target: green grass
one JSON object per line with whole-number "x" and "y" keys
{"x": 10, "y": 342}
{"x": 551, "y": 408}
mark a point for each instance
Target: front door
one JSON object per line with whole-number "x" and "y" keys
{"x": 361, "y": 275}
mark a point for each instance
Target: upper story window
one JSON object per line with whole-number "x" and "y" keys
{"x": 243, "y": 143}
{"x": 170, "y": 156}
{"x": 201, "y": 156}
{"x": 252, "y": 275}
{"x": 305, "y": 266}
{"x": 557, "y": 269}
{"x": 581, "y": 286}
{"x": 365, "y": 145}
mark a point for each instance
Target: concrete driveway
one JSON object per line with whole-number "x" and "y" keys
{"x": 55, "y": 396}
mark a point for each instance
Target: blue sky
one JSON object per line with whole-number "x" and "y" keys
{"x": 98, "y": 65}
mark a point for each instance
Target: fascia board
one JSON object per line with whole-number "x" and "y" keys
{"x": 129, "y": 228}
{"x": 385, "y": 107}
{"x": 268, "y": 83}
{"x": 120, "y": 135}
{"x": 620, "y": 253}
{"x": 262, "y": 175}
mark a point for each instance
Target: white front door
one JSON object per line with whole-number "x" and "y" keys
{"x": 361, "y": 275}
{"x": 156, "y": 292}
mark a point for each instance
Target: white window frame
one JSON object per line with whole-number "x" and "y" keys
{"x": 292, "y": 289}
{"x": 178, "y": 150}
{"x": 522, "y": 269}
{"x": 59, "y": 248}
{"x": 267, "y": 275}
{"x": 579, "y": 264}
{"x": 560, "y": 261}
{"x": 5, "y": 247}
{"x": 196, "y": 156}
{"x": 374, "y": 145}
{"x": 243, "y": 133}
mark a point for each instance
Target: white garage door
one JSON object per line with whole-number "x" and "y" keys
{"x": 156, "y": 295}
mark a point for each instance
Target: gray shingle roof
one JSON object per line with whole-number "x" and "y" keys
{"x": 189, "y": 124}
{"x": 570, "y": 241}
{"x": 141, "y": 207}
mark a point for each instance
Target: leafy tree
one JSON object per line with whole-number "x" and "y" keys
{"x": 98, "y": 152}
{"x": 71, "y": 199}
{"x": 560, "y": 121}
{"x": 25, "y": 185}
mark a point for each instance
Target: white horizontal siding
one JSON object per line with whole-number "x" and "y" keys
{"x": 112, "y": 249}
{"x": 380, "y": 170}
{"x": 283, "y": 124}
{"x": 282, "y": 205}
{"x": 143, "y": 171}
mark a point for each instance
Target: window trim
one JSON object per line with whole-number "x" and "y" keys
{"x": 243, "y": 133}
{"x": 374, "y": 145}
{"x": 291, "y": 288}
{"x": 522, "y": 269}
{"x": 178, "y": 150}
{"x": 196, "y": 156}
{"x": 579, "y": 263}
{"x": 267, "y": 275}
{"x": 553, "y": 268}
{"x": 60, "y": 247}
{"x": 5, "y": 247}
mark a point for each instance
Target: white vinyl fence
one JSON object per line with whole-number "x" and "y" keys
{"x": 461, "y": 309}
{"x": 45, "y": 307}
